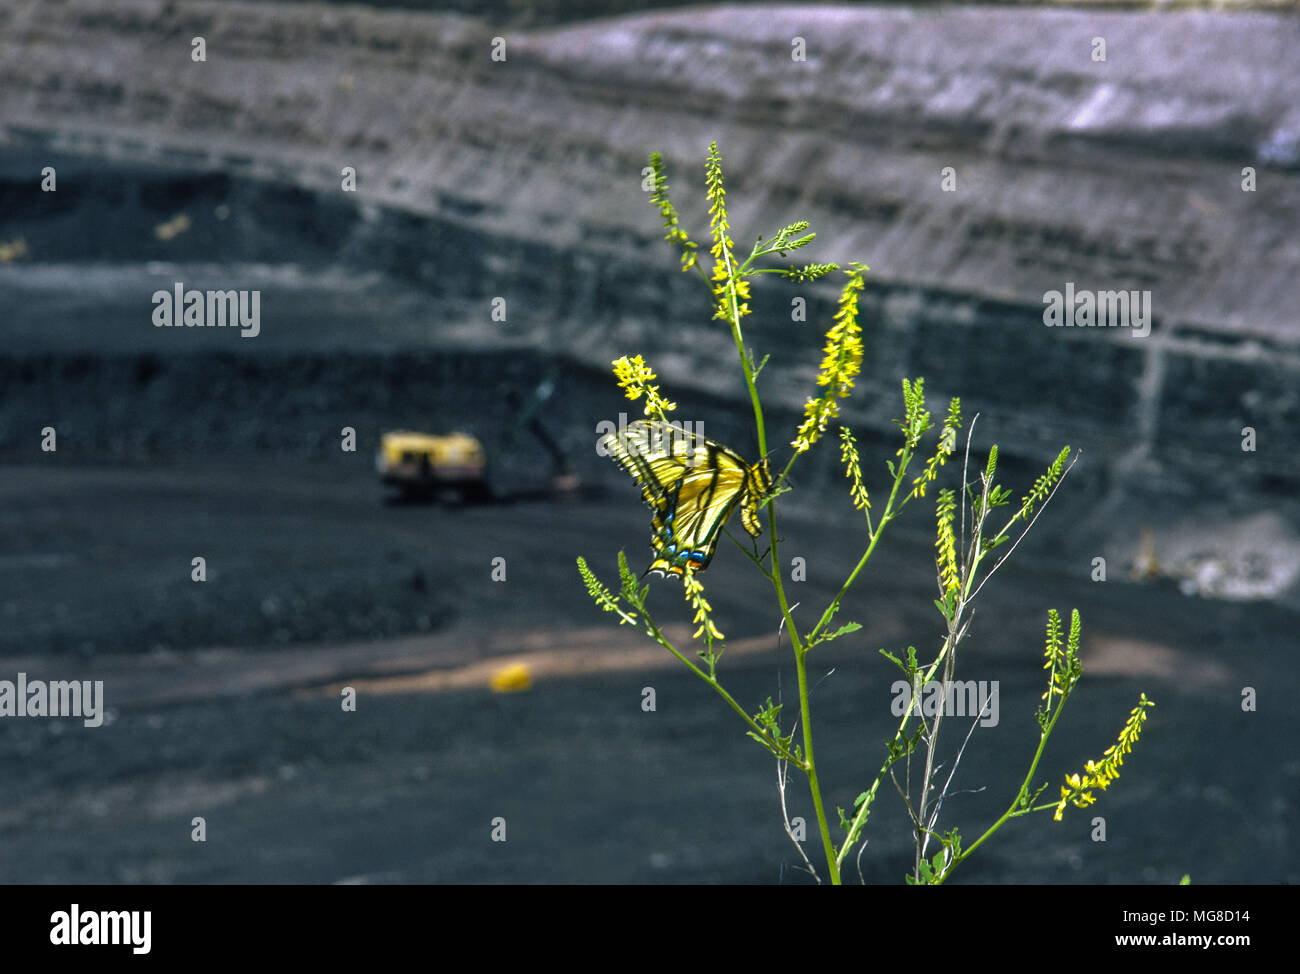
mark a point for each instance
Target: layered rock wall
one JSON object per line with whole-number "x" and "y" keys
{"x": 521, "y": 178}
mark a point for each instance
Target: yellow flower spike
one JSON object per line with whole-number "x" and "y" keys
{"x": 944, "y": 449}
{"x": 719, "y": 229}
{"x": 694, "y": 592}
{"x": 635, "y": 378}
{"x": 853, "y": 470}
{"x": 717, "y": 196}
{"x": 840, "y": 366}
{"x": 946, "y": 542}
{"x": 1099, "y": 774}
{"x": 660, "y": 198}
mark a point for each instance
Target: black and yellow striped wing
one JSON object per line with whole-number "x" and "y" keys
{"x": 692, "y": 485}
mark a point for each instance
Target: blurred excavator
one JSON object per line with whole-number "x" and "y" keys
{"x": 424, "y": 466}
{"x": 427, "y": 467}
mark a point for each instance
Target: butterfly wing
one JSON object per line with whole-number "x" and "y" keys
{"x": 691, "y": 485}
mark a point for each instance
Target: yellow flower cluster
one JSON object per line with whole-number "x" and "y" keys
{"x": 721, "y": 294}
{"x": 946, "y": 541}
{"x": 1099, "y": 774}
{"x": 724, "y": 279}
{"x": 695, "y": 596}
{"x": 669, "y": 212}
{"x": 840, "y": 366}
{"x": 853, "y": 470}
{"x": 635, "y": 378}
{"x": 943, "y": 449}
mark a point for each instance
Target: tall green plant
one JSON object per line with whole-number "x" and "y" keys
{"x": 965, "y": 560}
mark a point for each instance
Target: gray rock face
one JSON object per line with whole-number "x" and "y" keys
{"x": 522, "y": 177}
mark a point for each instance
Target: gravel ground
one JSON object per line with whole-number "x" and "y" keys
{"x": 314, "y": 582}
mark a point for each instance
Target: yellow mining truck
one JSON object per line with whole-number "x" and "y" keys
{"x": 430, "y": 467}
{"x": 427, "y": 467}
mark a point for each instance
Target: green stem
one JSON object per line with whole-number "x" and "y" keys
{"x": 885, "y": 518}
{"x": 974, "y": 557}
{"x": 809, "y": 763}
{"x": 805, "y": 714}
{"x": 1012, "y": 811}
{"x": 722, "y": 692}
{"x": 899, "y": 735}
{"x": 655, "y": 633}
